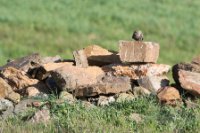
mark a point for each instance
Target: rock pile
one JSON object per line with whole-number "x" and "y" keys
{"x": 97, "y": 75}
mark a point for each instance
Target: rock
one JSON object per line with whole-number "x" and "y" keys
{"x": 32, "y": 91}
{"x": 5, "y": 104}
{"x": 189, "y": 81}
{"x": 24, "y": 63}
{"x": 23, "y": 106}
{"x": 103, "y": 101}
{"x": 41, "y": 116}
{"x": 66, "y": 96}
{"x": 47, "y": 60}
{"x": 95, "y": 56}
{"x": 185, "y": 66}
{"x": 153, "y": 83}
{"x": 169, "y": 95}
{"x": 107, "y": 85}
{"x": 70, "y": 77}
{"x": 80, "y": 58}
{"x": 137, "y": 51}
{"x": 7, "y": 92}
{"x": 140, "y": 91}
{"x": 17, "y": 79}
{"x": 122, "y": 97}
{"x": 44, "y": 70}
{"x": 191, "y": 105}
{"x": 137, "y": 71}
{"x": 136, "y": 117}
{"x": 6, "y": 108}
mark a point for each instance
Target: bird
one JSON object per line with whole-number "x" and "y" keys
{"x": 138, "y": 35}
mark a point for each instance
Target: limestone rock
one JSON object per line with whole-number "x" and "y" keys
{"x": 17, "y": 79}
{"x": 95, "y": 56}
{"x": 7, "y": 92}
{"x": 6, "y": 108}
{"x": 70, "y": 77}
{"x": 41, "y": 116}
{"x": 44, "y": 70}
{"x": 189, "y": 81}
{"x": 153, "y": 83}
{"x": 137, "y": 51}
{"x": 105, "y": 100}
{"x": 24, "y": 63}
{"x": 169, "y": 95}
{"x": 140, "y": 91}
{"x": 66, "y": 96}
{"x": 107, "y": 85}
{"x": 137, "y": 71}
{"x": 122, "y": 97}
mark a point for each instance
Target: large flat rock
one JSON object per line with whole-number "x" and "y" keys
{"x": 187, "y": 76}
{"x": 107, "y": 85}
{"x": 137, "y": 71}
{"x": 70, "y": 77}
{"x": 136, "y": 51}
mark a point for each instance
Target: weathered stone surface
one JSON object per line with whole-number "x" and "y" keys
{"x": 153, "y": 83}
{"x": 185, "y": 66}
{"x": 7, "y": 92}
{"x": 23, "y": 105}
{"x": 44, "y": 70}
{"x": 122, "y": 97}
{"x": 24, "y": 63}
{"x": 54, "y": 59}
{"x": 189, "y": 81}
{"x": 96, "y": 56}
{"x": 137, "y": 71}
{"x": 6, "y": 108}
{"x": 137, "y": 51}
{"x": 107, "y": 85}
{"x": 105, "y": 101}
{"x": 140, "y": 91}
{"x": 66, "y": 96}
{"x": 80, "y": 58}
{"x": 169, "y": 95}
{"x": 70, "y": 77}
{"x": 17, "y": 79}
{"x": 41, "y": 116}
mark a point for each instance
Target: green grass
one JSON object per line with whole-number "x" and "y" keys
{"x": 53, "y": 27}
{"x": 114, "y": 118}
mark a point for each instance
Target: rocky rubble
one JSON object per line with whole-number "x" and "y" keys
{"x": 96, "y": 76}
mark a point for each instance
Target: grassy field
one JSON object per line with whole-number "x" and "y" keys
{"x": 53, "y": 27}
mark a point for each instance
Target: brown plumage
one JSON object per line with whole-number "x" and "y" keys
{"x": 137, "y": 35}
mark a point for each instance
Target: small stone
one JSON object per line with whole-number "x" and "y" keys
{"x": 103, "y": 101}
{"x": 66, "y": 96}
{"x": 122, "y": 97}
{"x": 153, "y": 83}
{"x": 137, "y": 51}
{"x": 136, "y": 117}
{"x": 41, "y": 116}
{"x": 6, "y": 109}
{"x": 169, "y": 95}
{"x": 23, "y": 105}
{"x": 32, "y": 91}
{"x": 140, "y": 91}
